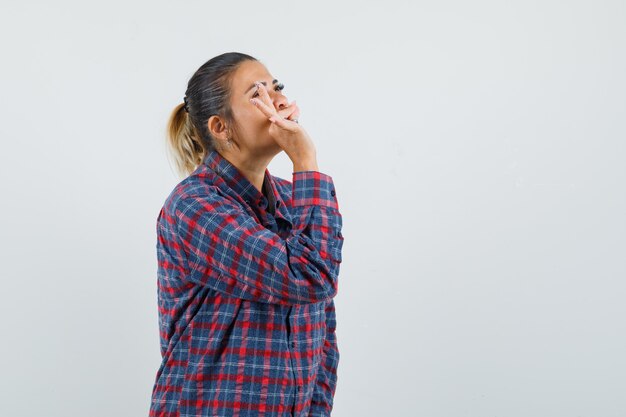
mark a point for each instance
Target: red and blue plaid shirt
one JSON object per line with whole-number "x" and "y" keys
{"x": 246, "y": 281}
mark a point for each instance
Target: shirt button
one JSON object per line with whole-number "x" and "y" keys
{"x": 332, "y": 192}
{"x": 293, "y": 344}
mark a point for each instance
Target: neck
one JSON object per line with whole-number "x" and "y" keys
{"x": 251, "y": 168}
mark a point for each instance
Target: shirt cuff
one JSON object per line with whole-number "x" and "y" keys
{"x": 313, "y": 188}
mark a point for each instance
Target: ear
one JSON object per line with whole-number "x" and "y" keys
{"x": 218, "y": 128}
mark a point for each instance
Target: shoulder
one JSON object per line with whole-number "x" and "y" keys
{"x": 196, "y": 184}
{"x": 199, "y": 191}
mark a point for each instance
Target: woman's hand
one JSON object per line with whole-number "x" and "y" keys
{"x": 289, "y": 135}
{"x": 291, "y": 112}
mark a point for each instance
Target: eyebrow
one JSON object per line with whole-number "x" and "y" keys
{"x": 262, "y": 82}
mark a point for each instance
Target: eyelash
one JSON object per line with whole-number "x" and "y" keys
{"x": 279, "y": 87}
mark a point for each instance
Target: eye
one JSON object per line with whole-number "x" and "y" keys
{"x": 278, "y": 87}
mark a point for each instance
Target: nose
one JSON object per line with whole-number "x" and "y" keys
{"x": 279, "y": 100}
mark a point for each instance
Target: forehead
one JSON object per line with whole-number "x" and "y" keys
{"x": 248, "y": 72}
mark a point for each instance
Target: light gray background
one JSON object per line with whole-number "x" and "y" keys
{"x": 478, "y": 154}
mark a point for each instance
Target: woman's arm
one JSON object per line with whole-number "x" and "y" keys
{"x": 229, "y": 251}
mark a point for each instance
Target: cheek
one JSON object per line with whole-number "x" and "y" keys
{"x": 250, "y": 119}
{"x": 249, "y": 114}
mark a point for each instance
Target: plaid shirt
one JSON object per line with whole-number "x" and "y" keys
{"x": 246, "y": 281}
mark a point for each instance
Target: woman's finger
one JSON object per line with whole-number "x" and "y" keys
{"x": 265, "y": 104}
{"x": 296, "y": 113}
{"x": 263, "y": 94}
{"x": 285, "y": 123}
{"x": 264, "y": 97}
{"x": 267, "y": 111}
{"x": 290, "y": 112}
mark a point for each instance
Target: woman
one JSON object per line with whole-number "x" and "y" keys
{"x": 247, "y": 262}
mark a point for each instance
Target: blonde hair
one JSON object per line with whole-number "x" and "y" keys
{"x": 184, "y": 142}
{"x": 208, "y": 93}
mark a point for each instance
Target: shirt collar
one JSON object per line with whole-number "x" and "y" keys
{"x": 244, "y": 188}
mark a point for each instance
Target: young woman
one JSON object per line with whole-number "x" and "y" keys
{"x": 248, "y": 262}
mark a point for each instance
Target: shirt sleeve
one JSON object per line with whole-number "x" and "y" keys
{"x": 326, "y": 382}
{"x": 229, "y": 251}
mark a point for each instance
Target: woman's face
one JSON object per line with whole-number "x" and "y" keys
{"x": 253, "y": 125}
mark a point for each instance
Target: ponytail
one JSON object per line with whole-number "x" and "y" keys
{"x": 185, "y": 144}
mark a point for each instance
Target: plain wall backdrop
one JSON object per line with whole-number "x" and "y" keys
{"x": 478, "y": 152}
